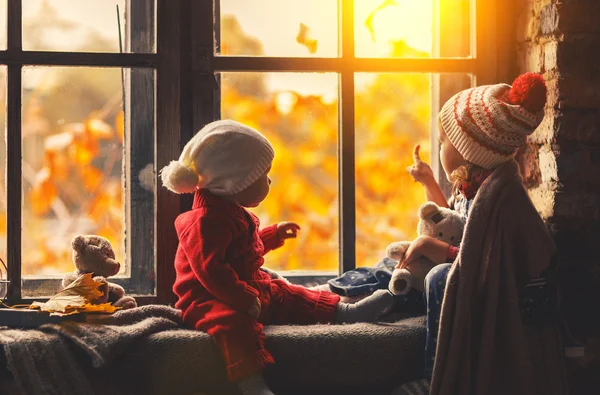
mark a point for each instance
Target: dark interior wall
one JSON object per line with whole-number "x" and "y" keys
{"x": 561, "y": 163}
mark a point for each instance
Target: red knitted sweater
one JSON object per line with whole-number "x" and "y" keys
{"x": 220, "y": 252}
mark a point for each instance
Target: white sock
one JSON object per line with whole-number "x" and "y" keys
{"x": 367, "y": 310}
{"x": 254, "y": 385}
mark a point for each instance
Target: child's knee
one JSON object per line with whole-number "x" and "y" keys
{"x": 436, "y": 274}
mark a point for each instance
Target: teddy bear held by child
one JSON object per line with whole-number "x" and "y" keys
{"x": 94, "y": 254}
{"x": 435, "y": 221}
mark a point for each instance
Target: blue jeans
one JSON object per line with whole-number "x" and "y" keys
{"x": 435, "y": 285}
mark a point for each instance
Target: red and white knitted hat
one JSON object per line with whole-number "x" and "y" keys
{"x": 488, "y": 124}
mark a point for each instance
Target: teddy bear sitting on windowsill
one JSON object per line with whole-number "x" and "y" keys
{"x": 94, "y": 254}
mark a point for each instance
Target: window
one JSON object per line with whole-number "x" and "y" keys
{"x": 84, "y": 115}
{"x": 344, "y": 90}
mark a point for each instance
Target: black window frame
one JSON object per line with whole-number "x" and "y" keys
{"x": 146, "y": 70}
{"x": 187, "y": 97}
{"x": 478, "y": 59}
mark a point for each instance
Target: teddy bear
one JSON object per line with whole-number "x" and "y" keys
{"x": 435, "y": 221}
{"x": 94, "y": 254}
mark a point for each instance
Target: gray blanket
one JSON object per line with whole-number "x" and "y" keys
{"x": 145, "y": 351}
{"x": 49, "y": 360}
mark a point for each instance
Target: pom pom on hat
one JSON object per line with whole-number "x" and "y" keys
{"x": 179, "y": 178}
{"x": 529, "y": 91}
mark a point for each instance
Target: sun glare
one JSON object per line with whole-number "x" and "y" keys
{"x": 378, "y": 24}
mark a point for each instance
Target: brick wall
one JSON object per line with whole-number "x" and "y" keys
{"x": 561, "y": 163}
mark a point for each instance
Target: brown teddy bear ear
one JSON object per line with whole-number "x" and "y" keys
{"x": 428, "y": 210}
{"x": 78, "y": 243}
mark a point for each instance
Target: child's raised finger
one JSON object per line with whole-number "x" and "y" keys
{"x": 416, "y": 156}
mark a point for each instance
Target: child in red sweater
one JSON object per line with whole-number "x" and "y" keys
{"x": 220, "y": 287}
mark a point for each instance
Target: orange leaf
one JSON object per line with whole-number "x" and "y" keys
{"x": 81, "y": 155}
{"x": 92, "y": 177}
{"x": 84, "y": 147}
{"x": 75, "y": 295}
{"x": 120, "y": 126}
{"x": 42, "y": 195}
{"x": 98, "y": 308}
{"x": 58, "y": 165}
{"x": 304, "y": 38}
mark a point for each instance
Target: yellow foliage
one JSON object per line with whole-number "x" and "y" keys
{"x": 98, "y": 308}
{"x": 73, "y": 296}
{"x": 62, "y": 304}
{"x": 90, "y": 176}
{"x": 42, "y": 195}
{"x": 120, "y": 126}
{"x": 73, "y": 189}
{"x": 392, "y": 115}
{"x": 83, "y": 152}
{"x": 58, "y": 165}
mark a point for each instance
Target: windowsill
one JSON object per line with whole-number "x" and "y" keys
{"x": 308, "y": 278}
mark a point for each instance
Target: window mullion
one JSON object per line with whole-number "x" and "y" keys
{"x": 484, "y": 30}
{"x": 360, "y": 65}
{"x": 87, "y": 59}
{"x": 13, "y": 151}
{"x": 139, "y": 105}
{"x": 347, "y": 197}
{"x": 168, "y": 132}
{"x": 453, "y": 36}
{"x": 14, "y": 26}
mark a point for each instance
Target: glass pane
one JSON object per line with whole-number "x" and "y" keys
{"x": 393, "y": 114}
{"x": 89, "y": 26}
{"x": 298, "y": 113}
{"x": 412, "y": 28}
{"x": 3, "y": 275}
{"x": 2, "y": 27}
{"x": 279, "y": 28}
{"x": 85, "y": 155}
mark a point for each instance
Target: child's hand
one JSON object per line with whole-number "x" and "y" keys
{"x": 430, "y": 247}
{"x": 254, "y": 310}
{"x": 420, "y": 170}
{"x": 287, "y": 230}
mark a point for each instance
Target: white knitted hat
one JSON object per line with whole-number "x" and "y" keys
{"x": 488, "y": 124}
{"x": 224, "y": 157}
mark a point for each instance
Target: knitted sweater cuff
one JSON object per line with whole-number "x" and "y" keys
{"x": 270, "y": 238}
{"x": 452, "y": 253}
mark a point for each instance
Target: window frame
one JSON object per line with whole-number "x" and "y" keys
{"x": 187, "y": 98}
{"x": 165, "y": 63}
{"x": 479, "y": 62}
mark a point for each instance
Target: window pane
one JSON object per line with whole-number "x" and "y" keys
{"x": 3, "y": 275}
{"x": 298, "y": 113}
{"x": 278, "y": 28}
{"x": 89, "y": 26}
{"x": 412, "y": 28}
{"x": 393, "y": 114}
{"x": 84, "y": 159}
{"x": 2, "y": 27}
